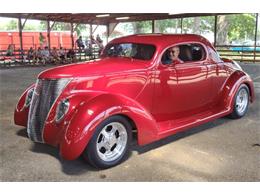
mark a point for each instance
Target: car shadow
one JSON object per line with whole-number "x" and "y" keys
{"x": 75, "y": 167}
{"x": 79, "y": 166}
{"x": 178, "y": 136}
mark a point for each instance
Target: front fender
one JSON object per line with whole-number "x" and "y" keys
{"x": 21, "y": 111}
{"x": 232, "y": 85}
{"x": 89, "y": 114}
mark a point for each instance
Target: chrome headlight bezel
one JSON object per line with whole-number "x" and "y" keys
{"x": 29, "y": 96}
{"x": 62, "y": 109}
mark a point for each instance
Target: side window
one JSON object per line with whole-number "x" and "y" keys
{"x": 214, "y": 55}
{"x": 184, "y": 53}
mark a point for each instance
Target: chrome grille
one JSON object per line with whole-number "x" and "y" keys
{"x": 44, "y": 95}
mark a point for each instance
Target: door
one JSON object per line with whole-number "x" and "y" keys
{"x": 182, "y": 90}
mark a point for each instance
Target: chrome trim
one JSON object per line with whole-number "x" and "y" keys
{"x": 111, "y": 141}
{"x": 45, "y": 95}
{"x": 62, "y": 101}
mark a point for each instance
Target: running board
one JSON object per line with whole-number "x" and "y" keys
{"x": 183, "y": 124}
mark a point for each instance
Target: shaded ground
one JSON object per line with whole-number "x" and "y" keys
{"x": 222, "y": 150}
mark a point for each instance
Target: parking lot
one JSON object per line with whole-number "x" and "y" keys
{"x": 222, "y": 150}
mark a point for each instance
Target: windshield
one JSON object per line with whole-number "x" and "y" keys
{"x": 130, "y": 50}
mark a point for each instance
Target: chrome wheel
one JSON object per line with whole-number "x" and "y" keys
{"x": 111, "y": 141}
{"x": 241, "y": 101}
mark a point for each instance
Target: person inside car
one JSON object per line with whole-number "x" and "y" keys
{"x": 174, "y": 53}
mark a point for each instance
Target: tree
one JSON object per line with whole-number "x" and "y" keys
{"x": 30, "y": 27}
{"x": 237, "y": 27}
{"x": 167, "y": 25}
{"x": 241, "y": 27}
{"x": 58, "y": 26}
{"x": 198, "y": 25}
{"x": 11, "y": 25}
{"x": 82, "y": 28}
{"x": 61, "y": 26}
{"x": 222, "y": 25}
{"x": 142, "y": 27}
{"x": 43, "y": 26}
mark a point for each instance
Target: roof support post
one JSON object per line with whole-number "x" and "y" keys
{"x": 153, "y": 26}
{"x": 71, "y": 35}
{"x": 181, "y": 24}
{"x": 256, "y": 29}
{"x": 49, "y": 28}
{"x": 49, "y": 34}
{"x": 215, "y": 30}
{"x": 90, "y": 35}
{"x": 20, "y": 26}
{"x": 107, "y": 28}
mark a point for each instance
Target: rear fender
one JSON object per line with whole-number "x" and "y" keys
{"x": 88, "y": 115}
{"x": 232, "y": 85}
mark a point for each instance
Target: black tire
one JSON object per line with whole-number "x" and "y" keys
{"x": 90, "y": 154}
{"x": 236, "y": 114}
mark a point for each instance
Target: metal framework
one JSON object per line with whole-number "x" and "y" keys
{"x": 109, "y": 20}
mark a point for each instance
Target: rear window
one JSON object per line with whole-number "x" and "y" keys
{"x": 130, "y": 50}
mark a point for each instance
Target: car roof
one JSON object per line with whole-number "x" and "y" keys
{"x": 162, "y": 40}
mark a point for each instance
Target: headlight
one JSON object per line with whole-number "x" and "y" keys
{"x": 62, "y": 109}
{"x": 29, "y": 96}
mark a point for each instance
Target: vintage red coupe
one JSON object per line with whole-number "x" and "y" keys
{"x": 154, "y": 84}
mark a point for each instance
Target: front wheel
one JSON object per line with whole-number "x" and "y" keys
{"x": 241, "y": 102}
{"x": 110, "y": 143}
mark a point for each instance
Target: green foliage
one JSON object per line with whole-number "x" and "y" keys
{"x": 82, "y": 28}
{"x": 198, "y": 25}
{"x": 142, "y": 27}
{"x": 164, "y": 26}
{"x": 241, "y": 27}
{"x": 235, "y": 28}
{"x": 30, "y": 27}
{"x": 60, "y": 26}
{"x": 43, "y": 26}
{"x": 127, "y": 26}
{"x": 11, "y": 25}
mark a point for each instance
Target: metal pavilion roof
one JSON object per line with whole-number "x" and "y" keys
{"x": 96, "y": 18}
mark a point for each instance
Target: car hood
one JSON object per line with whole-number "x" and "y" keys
{"x": 98, "y": 67}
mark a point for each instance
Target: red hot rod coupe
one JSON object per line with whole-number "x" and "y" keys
{"x": 153, "y": 84}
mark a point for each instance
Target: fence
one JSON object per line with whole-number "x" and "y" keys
{"x": 20, "y": 58}
{"x": 241, "y": 53}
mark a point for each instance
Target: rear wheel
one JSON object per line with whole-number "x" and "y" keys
{"x": 241, "y": 102}
{"x": 110, "y": 143}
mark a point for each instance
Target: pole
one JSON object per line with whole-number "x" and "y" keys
{"x": 256, "y": 26}
{"x": 49, "y": 34}
{"x": 90, "y": 34}
{"x": 71, "y": 35}
{"x": 215, "y": 30}
{"x": 20, "y": 33}
{"x": 20, "y": 26}
{"x": 153, "y": 26}
{"x": 181, "y": 24}
{"x": 107, "y": 32}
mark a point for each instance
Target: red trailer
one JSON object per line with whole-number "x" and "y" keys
{"x": 31, "y": 39}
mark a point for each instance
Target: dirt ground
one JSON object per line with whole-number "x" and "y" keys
{"x": 222, "y": 150}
